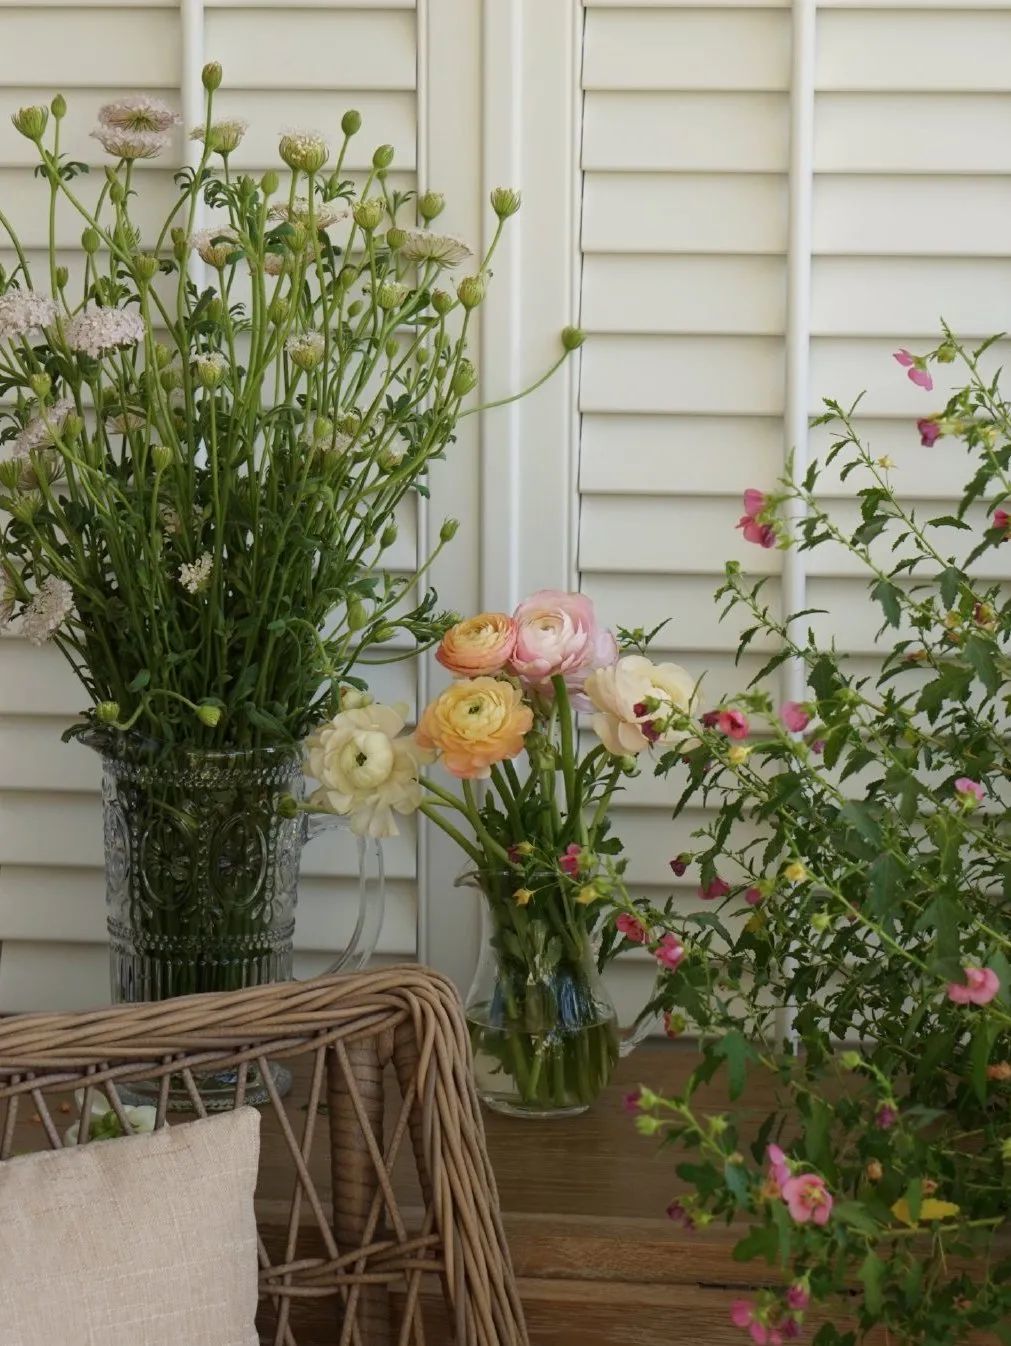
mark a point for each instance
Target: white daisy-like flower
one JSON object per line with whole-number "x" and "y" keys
{"x": 222, "y": 137}
{"x": 305, "y": 349}
{"x": 421, "y": 245}
{"x": 124, "y": 144}
{"x": 274, "y": 264}
{"x": 48, "y": 610}
{"x": 195, "y": 575}
{"x": 97, "y": 331}
{"x": 42, "y": 429}
{"x": 138, "y": 112}
{"x": 216, "y": 246}
{"x": 325, "y": 213}
{"x": 125, "y": 421}
{"x": 210, "y": 368}
{"x": 23, "y": 311}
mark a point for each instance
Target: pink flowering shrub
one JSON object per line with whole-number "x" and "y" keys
{"x": 860, "y": 862}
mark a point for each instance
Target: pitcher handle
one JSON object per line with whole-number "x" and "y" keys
{"x": 644, "y": 1027}
{"x": 371, "y": 895}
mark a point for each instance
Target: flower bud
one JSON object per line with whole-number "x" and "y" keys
{"x": 209, "y": 370}
{"x": 107, "y": 712}
{"x": 41, "y": 385}
{"x": 465, "y": 378}
{"x": 163, "y": 355}
{"x": 73, "y": 425}
{"x": 395, "y": 238}
{"x": 470, "y": 291}
{"x": 278, "y": 311}
{"x": 10, "y": 473}
{"x": 629, "y": 766}
{"x": 389, "y": 535}
{"x": 820, "y": 922}
{"x": 648, "y": 1126}
{"x": 851, "y": 1060}
{"x": 391, "y": 348}
{"x": 26, "y": 507}
{"x": 90, "y": 241}
{"x": 442, "y": 302}
{"x": 146, "y": 266}
{"x": 117, "y": 193}
{"x": 350, "y": 424}
{"x": 874, "y": 1170}
{"x": 207, "y": 712}
{"x": 384, "y": 633}
{"x": 390, "y": 295}
{"x": 270, "y": 182}
{"x": 180, "y": 244}
{"x": 449, "y": 530}
{"x": 351, "y": 122}
{"x": 171, "y": 378}
{"x": 947, "y": 353}
{"x": 287, "y": 807}
{"x": 382, "y": 157}
{"x": 211, "y": 75}
{"x": 572, "y": 338}
{"x": 422, "y": 355}
{"x": 304, "y": 151}
{"x": 357, "y": 616}
{"x": 31, "y": 122}
{"x": 355, "y": 308}
{"x": 505, "y": 202}
{"x": 353, "y": 698}
{"x": 369, "y": 214}
{"x": 62, "y": 276}
{"x": 795, "y": 873}
{"x": 430, "y": 205}
{"x": 58, "y": 107}
{"x": 161, "y": 457}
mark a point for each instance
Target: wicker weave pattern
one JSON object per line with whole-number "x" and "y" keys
{"x": 348, "y": 1254}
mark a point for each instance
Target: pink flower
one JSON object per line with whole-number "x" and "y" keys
{"x": 969, "y": 789}
{"x": 930, "y": 431}
{"x": 669, "y": 952}
{"x": 569, "y": 862}
{"x": 733, "y": 723}
{"x": 798, "y": 1296}
{"x": 714, "y": 888}
{"x": 680, "y": 864}
{"x": 1001, "y": 519}
{"x": 779, "y": 1168}
{"x": 807, "y": 1199}
{"x": 631, "y": 928}
{"x": 753, "y": 896}
{"x": 742, "y": 1312}
{"x": 754, "y": 501}
{"x": 710, "y": 719}
{"x": 679, "y": 1214}
{"x": 795, "y": 716}
{"x": 763, "y": 534}
{"x": 922, "y": 379}
{"x": 818, "y": 746}
{"x": 979, "y": 988}
{"x": 557, "y": 634}
{"x": 886, "y": 1117}
{"x": 631, "y": 1103}
{"x": 904, "y": 358}
{"x": 914, "y": 370}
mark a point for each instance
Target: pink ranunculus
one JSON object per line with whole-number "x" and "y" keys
{"x": 754, "y": 501}
{"x": 557, "y": 634}
{"x": 1001, "y": 519}
{"x": 798, "y": 1296}
{"x": 716, "y": 887}
{"x": 971, "y": 789}
{"x": 762, "y": 534}
{"x": 733, "y": 723}
{"x": 904, "y": 358}
{"x": 669, "y": 952}
{"x": 742, "y": 1312}
{"x": 569, "y": 862}
{"x": 930, "y": 431}
{"x": 979, "y": 988}
{"x": 795, "y": 716}
{"x": 631, "y": 928}
{"x": 807, "y": 1199}
{"x": 921, "y": 377}
{"x": 753, "y": 896}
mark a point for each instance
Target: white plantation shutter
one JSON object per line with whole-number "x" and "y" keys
{"x": 284, "y": 66}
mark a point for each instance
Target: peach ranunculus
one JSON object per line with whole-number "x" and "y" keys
{"x": 474, "y": 723}
{"x": 479, "y": 645}
{"x": 557, "y": 633}
{"x": 633, "y": 700}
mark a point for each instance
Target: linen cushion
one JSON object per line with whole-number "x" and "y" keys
{"x": 139, "y": 1241}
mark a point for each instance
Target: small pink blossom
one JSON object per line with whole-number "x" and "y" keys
{"x": 969, "y": 789}
{"x": 710, "y": 719}
{"x": 680, "y": 865}
{"x": 779, "y": 1168}
{"x": 930, "y": 431}
{"x": 754, "y": 501}
{"x": 669, "y": 952}
{"x": 716, "y": 887}
{"x": 979, "y": 988}
{"x": 1001, "y": 520}
{"x": 818, "y": 746}
{"x": 647, "y": 727}
{"x": 903, "y": 357}
{"x": 631, "y": 1103}
{"x": 795, "y": 716}
{"x": 886, "y": 1117}
{"x": 798, "y": 1296}
{"x": 742, "y": 1312}
{"x": 914, "y": 371}
{"x": 631, "y": 928}
{"x": 922, "y": 379}
{"x": 680, "y": 1215}
{"x": 753, "y": 896}
{"x": 762, "y": 534}
{"x": 569, "y": 862}
{"x": 807, "y": 1199}
{"x": 733, "y": 723}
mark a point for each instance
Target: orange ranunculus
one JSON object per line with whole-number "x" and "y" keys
{"x": 474, "y": 723}
{"x": 479, "y": 645}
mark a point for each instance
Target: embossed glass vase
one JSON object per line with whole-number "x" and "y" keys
{"x": 202, "y": 868}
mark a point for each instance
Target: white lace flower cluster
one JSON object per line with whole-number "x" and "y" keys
{"x": 324, "y": 213}
{"x": 42, "y": 429}
{"x": 421, "y": 245}
{"x": 97, "y": 331}
{"x": 194, "y": 576}
{"x": 216, "y": 246}
{"x": 24, "y": 311}
{"x": 47, "y": 611}
{"x": 221, "y": 137}
{"x": 136, "y": 127}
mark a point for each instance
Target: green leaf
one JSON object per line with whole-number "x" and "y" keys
{"x": 885, "y": 876}
{"x": 140, "y": 681}
{"x": 949, "y": 582}
{"x": 886, "y": 593}
{"x": 979, "y": 1056}
{"x": 735, "y": 1049}
{"x": 760, "y": 1242}
{"x": 980, "y": 654}
{"x": 872, "y": 1277}
{"x": 855, "y": 1215}
{"x": 861, "y": 819}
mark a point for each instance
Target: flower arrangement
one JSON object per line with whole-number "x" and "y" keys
{"x": 538, "y": 842}
{"x": 869, "y": 901}
{"x": 204, "y": 449}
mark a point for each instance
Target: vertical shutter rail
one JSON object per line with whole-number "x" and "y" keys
{"x": 191, "y": 94}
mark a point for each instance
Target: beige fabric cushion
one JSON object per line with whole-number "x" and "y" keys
{"x": 140, "y": 1241}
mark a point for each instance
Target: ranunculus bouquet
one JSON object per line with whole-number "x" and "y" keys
{"x": 537, "y": 840}
{"x": 859, "y": 960}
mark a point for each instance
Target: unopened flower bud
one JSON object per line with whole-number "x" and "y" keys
{"x": 573, "y": 338}
{"x": 278, "y": 311}
{"x": 31, "y": 121}
{"x": 90, "y": 241}
{"x": 390, "y": 295}
{"x": 646, "y": 1125}
{"x": 117, "y": 194}
{"x": 41, "y": 385}
{"x": 465, "y": 378}
{"x": 382, "y": 157}
{"x": 351, "y": 122}
{"x": 58, "y": 107}
{"x": 180, "y": 244}
{"x": 629, "y": 766}
{"x": 820, "y": 922}
{"x": 369, "y": 214}
{"x": 395, "y": 238}
{"x": 422, "y": 355}
{"x": 270, "y": 182}
{"x": 389, "y": 535}
{"x": 356, "y": 615}
{"x": 505, "y": 202}
{"x": 171, "y": 378}
{"x": 430, "y": 205}
{"x": 26, "y": 507}
{"x": 287, "y": 807}
{"x": 73, "y": 425}
{"x": 738, "y": 754}
{"x": 449, "y": 530}
{"x": 161, "y": 457}
{"x": 10, "y": 473}
{"x": 391, "y": 348}
{"x": 211, "y": 75}
{"x": 207, "y": 712}
{"x": 62, "y": 276}
{"x": 442, "y": 302}
{"x": 851, "y": 1060}
{"x": 304, "y": 151}
{"x": 146, "y": 266}
{"x": 350, "y": 423}
{"x": 947, "y": 353}
{"x": 107, "y": 712}
{"x": 470, "y": 291}
{"x": 209, "y": 370}
{"x": 355, "y": 307}
{"x": 383, "y": 633}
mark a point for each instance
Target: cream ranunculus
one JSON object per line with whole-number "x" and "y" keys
{"x": 633, "y": 701}
{"x": 367, "y": 768}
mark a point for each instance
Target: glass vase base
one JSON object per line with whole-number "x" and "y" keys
{"x": 507, "y": 1108}
{"x": 215, "y": 1087}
